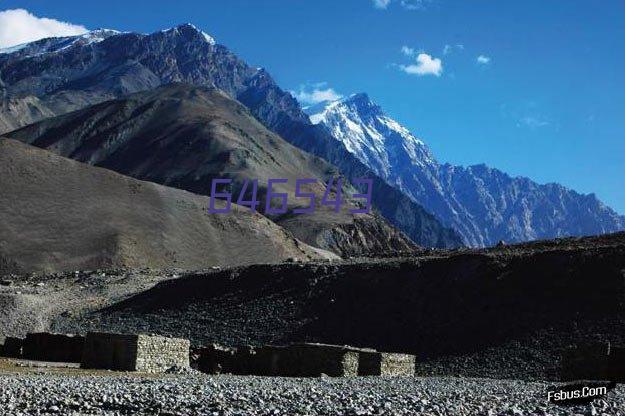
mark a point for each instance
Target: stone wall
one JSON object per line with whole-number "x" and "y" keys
{"x": 151, "y": 354}
{"x": 158, "y": 354}
{"x": 385, "y": 364}
{"x": 216, "y": 359}
{"x": 109, "y": 351}
{"x": 246, "y": 362}
{"x": 305, "y": 360}
{"x": 53, "y": 347}
{"x": 13, "y": 347}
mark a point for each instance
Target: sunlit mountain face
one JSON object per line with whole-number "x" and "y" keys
{"x": 483, "y": 204}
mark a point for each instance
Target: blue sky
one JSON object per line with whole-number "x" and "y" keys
{"x": 546, "y": 99}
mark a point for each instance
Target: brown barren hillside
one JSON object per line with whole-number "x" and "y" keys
{"x": 59, "y": 214}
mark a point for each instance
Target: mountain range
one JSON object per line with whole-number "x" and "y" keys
{"x": 76, "y": 95}
{"x": 52, "y": 77}
{"x": 483, "y": 204}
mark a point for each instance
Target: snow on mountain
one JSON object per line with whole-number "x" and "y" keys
{"x": 176, "y": 29}
{"x": 483, "y": 204}
{"x": 57, "y": 44}
{"x": 377, "y": 140}
{"x": 12, "y": 49}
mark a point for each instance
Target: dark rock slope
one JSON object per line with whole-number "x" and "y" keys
{"x": 504, "y": 312}
{"x": 55, "y": 76}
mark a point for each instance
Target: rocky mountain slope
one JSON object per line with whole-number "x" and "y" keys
{"x": 59, "y": 214}
{"x": 184, "y": 136}
{"x": 56, "y": 76}
{"x": 505, "y": 312}
{"x": 483, "y": 204}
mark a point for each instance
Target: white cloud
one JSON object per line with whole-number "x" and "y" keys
{"x": 315, "y": 93}
{"x": 413, "y": 4}
{"x": 381, "y": 4}
{"x": 447, "y": 49}
{"x": 483, "y": 60}
{"x": 409, "y": 52}
{"x": 533, "y": 122}
{"x": 20, "y": 26}
{"x": 426, "y": 65}
{"x": 406, "y": 4}
{"x": 527, "y": 114}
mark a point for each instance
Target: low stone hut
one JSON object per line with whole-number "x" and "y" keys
{"x": 303, "y": 360}
{"x": 373, "y": 363}
{"x": 44, "y": 346}
{"x": 144, "y": 353}
{"x": 13, "y": 347}
{"x": 306, "y": 360}
{"x": 216, "y": 359}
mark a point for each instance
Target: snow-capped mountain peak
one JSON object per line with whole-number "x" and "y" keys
{"x": 57, "y": 44}
{"x": 483, "y": 204}
{"x": 366, "y": 131}
{"x": 190, "y": 28}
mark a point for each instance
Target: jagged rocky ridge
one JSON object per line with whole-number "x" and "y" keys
{"x": 41, "y": 80}
{"x": 483, "y": 204}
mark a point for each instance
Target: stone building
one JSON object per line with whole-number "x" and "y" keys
{"x": 216, "y": 359}
{"x": 12, "y": 347}
{"x": 373, "y": 363}
{"x": 304, "y": 360}
{"x": 246, "y": 361}
{"x": 44, "y": 346}
{"x": 307, "y": 360}
{"x": 145, "y": 353}
{"x": 301, "y": 360}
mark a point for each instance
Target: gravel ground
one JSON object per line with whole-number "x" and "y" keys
{"x": 191, "y": 394}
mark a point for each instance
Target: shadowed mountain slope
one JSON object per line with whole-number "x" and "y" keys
{"x": 184, "y": 136}
{"x": 59, "y": 214}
